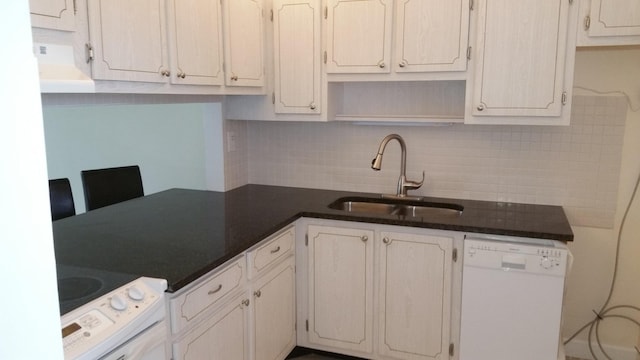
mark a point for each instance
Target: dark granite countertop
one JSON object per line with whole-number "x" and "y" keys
{"x": 180, "y": 235}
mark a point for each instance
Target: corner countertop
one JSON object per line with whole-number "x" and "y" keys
{"x": 180, "y": 235}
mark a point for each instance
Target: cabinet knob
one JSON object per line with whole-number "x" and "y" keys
{"x": 480, "y": 107}
{"x": 381, "y": 65}
{"x": 182, "y": 75}
{"x": 257, "y": 293}
{"x": 166, "y": 73}
{"x": 312, "y": 106}
{"x": 234, "y": 77}
{"x": 245, "y": 302}
{"x": 364, "y": 238}
{"x": 402, "y": 64}
{"x": 386, "y": 240}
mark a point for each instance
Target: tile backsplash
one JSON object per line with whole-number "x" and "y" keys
{"x": 577, "y": 166}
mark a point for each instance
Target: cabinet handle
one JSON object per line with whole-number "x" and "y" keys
{"x": 275, "y": 250}
{"x": 245, "y": 302}
{"x": 364, "y": 238}
{"x": 402, "y": 64}
{"x": 386, "y": 240}
{"x": 381, "y": 65}
{"x": 312, "y": 106}
{"x": 166, "y": 73}
{"x": 182, "y": 75}
{"x": 257, "y": 293}
{"x": 234, "y": 77}
{"x": 480, "y": 107}
{"x": 211, "y": 292}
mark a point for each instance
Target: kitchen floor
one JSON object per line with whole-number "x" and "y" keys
{"x": 327, "y": 356}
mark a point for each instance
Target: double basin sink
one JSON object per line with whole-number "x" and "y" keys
{"x": 397, "y": 207}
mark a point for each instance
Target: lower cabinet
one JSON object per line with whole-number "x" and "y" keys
{"x": 232, "y": 314}
{"x": 379, "y": 292}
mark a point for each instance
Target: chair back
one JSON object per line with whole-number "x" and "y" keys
{"x": 103, "y": 187}
{"x": 61, "y": 199}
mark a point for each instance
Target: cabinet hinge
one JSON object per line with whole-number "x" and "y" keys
{"x": 306, "y": 239}
{"x": 271, "y": 15}
{"x": 273, "y": 98}
{"x": 451, "y": 349}
{"x": 469, "y": 53}
{"x": 454, "y": 255}
{"x": 325, "y": 57}
{"x": 587, "y": 22}
{"x": 88, "y": 51}
{"x": 570, "y": 2}
{"x": 326, "y": 12}
{"x": 306, "y": 325}
{"x": 470, "y": 4}
{"x": 75, "y": 8}
{"x": 564, "y": 98}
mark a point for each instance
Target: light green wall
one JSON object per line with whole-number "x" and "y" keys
{"x": 174, "y": 144}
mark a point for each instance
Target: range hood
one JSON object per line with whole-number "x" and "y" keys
{"x": 58, "y": 72}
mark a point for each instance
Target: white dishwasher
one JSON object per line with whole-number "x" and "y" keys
{"x": 512, "y": 292}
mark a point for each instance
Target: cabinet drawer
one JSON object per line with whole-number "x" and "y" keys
{"x": 266, "y": 254}
{"x": 186, "y": 307}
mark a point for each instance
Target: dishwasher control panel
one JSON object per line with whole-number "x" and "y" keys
{"x": 513, "y": 256}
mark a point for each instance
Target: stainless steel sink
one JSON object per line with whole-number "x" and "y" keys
{"x": 402, "y": 208}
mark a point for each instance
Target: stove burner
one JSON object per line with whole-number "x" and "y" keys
{"x": 77, "y": 287}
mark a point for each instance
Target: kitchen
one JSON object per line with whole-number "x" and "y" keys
{"x": 602, "y": 70}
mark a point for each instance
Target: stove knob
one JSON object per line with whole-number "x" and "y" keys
{"x": 546, "y": 263}
{"x": 118, "y": 302}
{"x": 135, "y": 293}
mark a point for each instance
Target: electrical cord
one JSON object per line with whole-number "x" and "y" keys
{"x": 603, "y": 314}
{"x": 616, "y": 92}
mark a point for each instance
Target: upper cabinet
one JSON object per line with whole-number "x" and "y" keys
{"x": 195, "y": 42}
{"x": 430, "y": 35}
{"x": 244, "y": 42}
{"x": 609, "y": 22}
{"x": 523, "y": 62}
{"x": 129, "y": 40}
{"x": 53, "y": 14}
{"x": 171, "y": 42}
{"x": 296, "y": 28}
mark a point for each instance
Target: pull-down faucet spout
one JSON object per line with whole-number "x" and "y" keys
{"x": 403, "y": 183}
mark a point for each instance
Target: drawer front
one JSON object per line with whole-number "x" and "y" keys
{"x": 187, "y": 307}
{"x": 270, "y": 252}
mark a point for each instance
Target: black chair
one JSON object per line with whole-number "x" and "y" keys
{"x": 103, "y": 187}
{"x": 61, "y": 199}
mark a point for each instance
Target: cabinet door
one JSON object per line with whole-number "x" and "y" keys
{"x": 431, "y": 35}
{"x": 223, "y": 336}
{"x": 358, "y": 36}
{"x": 415, "y": 296}
{"x": 129, "y": 40}
{"x": 195, "y": 42}
{"x": 614, "y": 18}
{"x": 53, "y": 14}
{"x": 274, "y": 313}
{"x": 297, "y": 56}
{"x": 340, "y": 287}
{"x": 520, "y": 60}
{"x": 244, "y": 42}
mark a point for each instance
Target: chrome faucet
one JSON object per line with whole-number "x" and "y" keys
{"x": 403, "y": 183}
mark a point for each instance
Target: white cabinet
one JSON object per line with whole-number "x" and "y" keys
{"x": 129, "y": 40}
{"x": 244, "y": 42}
{"x": 297, "y": 64}
{"x": 340, "y": 287}
{"x": 378, "y": 291}
{"x": 223, "y": 335}
{"x": 609, "y": 22}
{"x": 53, "y": 14}
{"x": 523, "y": 62}
{"x": 195, "y": 42}
{"x": 429, "y": 36}
{"x": 358, "y": 36}
{"x": 415, "y": 295}
{"x": 274, "y": 305}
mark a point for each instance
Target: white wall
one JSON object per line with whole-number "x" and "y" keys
{"x": 175, "y": 145}
{"x": 30, "y": 318}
